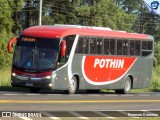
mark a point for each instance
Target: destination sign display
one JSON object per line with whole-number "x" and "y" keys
{"x": 28, "y": 39}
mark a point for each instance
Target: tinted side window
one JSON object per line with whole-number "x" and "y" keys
{"x": 85, "y": 45}
{"x": 82, "y": 45}
{"x": 137, "y": 47}
{"x": 99, "y": 45}
{"x": 147, "y": 47}
{"x": 92, "y": 45}
{"x": 119, "y": 47}
{"x": 112, "y": 46}
{"x": 69, "y": 43}
{"x": 106, "y": 47}
{"x": 125, "y": 47}
{"x": 132, "y": 47}
{"x": 79, "y": 48}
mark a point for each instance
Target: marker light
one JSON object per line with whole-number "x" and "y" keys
{"x": 54, "y": 75}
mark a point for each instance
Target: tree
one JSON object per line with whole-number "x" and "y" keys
{"x": 16, "y": 7}
{"x": 61, "y": 11}
{"x": 5, "y": 32}
{"x": 105, "y": 13}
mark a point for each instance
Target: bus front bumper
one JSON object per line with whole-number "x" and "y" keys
{"x": 36, "y": 83}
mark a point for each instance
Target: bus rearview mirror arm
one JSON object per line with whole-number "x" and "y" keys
{"x": 10, "y": 44}
{"x": 63, "y": 48}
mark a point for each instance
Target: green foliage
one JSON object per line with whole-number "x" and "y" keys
{"x": 16, "y": 6}
{"x": 5, "y": 32}
{"x": 5, "y": 77}
{"x": 155, "y": 86}
{"x": 61, "y": 11}
{"x": 47, "y": 20}
{"x": 105, "y": 13}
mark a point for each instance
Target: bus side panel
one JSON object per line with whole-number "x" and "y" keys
{"x": 77, "y": 70}
{"x": 83, "y": 84}
{"x": 140, "y": 73}
{"x": 149, "y": 62}
{"x": 60, "y": 82}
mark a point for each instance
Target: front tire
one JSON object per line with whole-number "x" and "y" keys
{"x": 127, "y": 87}
{"x": 72, "y": 86}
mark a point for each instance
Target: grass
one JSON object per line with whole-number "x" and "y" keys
{"x": 5, "y": 77}
{"x": 155, "y": 86}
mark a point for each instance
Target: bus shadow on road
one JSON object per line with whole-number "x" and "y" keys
{"x": 49, "y": 91}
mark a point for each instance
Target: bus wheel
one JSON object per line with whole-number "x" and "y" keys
{"x": 127, "y": 87}
{"x": 72, "y": 86}
{"x": 34, "y": 90}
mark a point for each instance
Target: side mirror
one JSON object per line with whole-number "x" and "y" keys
{"x": 10, "y": 44}
{"x": 63, "y": 48}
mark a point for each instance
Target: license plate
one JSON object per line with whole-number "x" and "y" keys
{"x": 29, "y": 84}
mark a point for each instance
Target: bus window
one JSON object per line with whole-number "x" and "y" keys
{"x": 92, "y": 45}
{"x": 137, "y": 48}
{"x": 147, "y": 47}
{"x": 112, "y": 46}
{"x": 69, "y": 43}
{"x": 119, "y": 47}
{"x": 132, "y": 47}
{"x": 144, "y": 45}
{"x": 106, "y": 46}
{"x": 85, "y": 45}
{"x": 79, "y": 48}
{"x": 99, "y": 45}
{"x": 125, "y": 47}
{"x": 150, "y": 45}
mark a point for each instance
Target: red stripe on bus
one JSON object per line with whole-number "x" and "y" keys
{"x": 43, "y": 74}
{"x": 102, "y": 69}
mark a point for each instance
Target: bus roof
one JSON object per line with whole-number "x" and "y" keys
{"x": 53, "y": 31}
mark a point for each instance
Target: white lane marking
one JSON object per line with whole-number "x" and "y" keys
{"x": 25, "y": 118}
{"x": 112, "y": 95}
{"x": 53, "y": 117}
{"x": 78, "y": 115}
{"x": 104, "y": 115}
{"x": 32, "y": 94}
{"x": 111, "y": 117}
{"x": 157, "y": 94}
{"x": 143, "y": 94}
{"x": 128, "y": 95}
{"x": 12, "y": 94}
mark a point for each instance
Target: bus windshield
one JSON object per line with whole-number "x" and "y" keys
{"x": 36, "y": 55}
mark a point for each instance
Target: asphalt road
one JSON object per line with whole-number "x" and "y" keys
{"x": 23, "y": 105}
{"x": 58, "y": 101}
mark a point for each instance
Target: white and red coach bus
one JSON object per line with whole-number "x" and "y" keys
{"x": 71, "y": 58}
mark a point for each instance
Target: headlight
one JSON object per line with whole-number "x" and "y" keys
{"x": 14, "y": 74}
{"x": 47, "y": 77}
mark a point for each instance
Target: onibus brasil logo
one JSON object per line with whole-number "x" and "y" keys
{"x": 155, "y": 5}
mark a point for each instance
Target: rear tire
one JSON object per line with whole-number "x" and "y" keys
{"x": 72, "y": 86}
{"x": 127, "y": 87}
{"x": 34, "y": 90}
